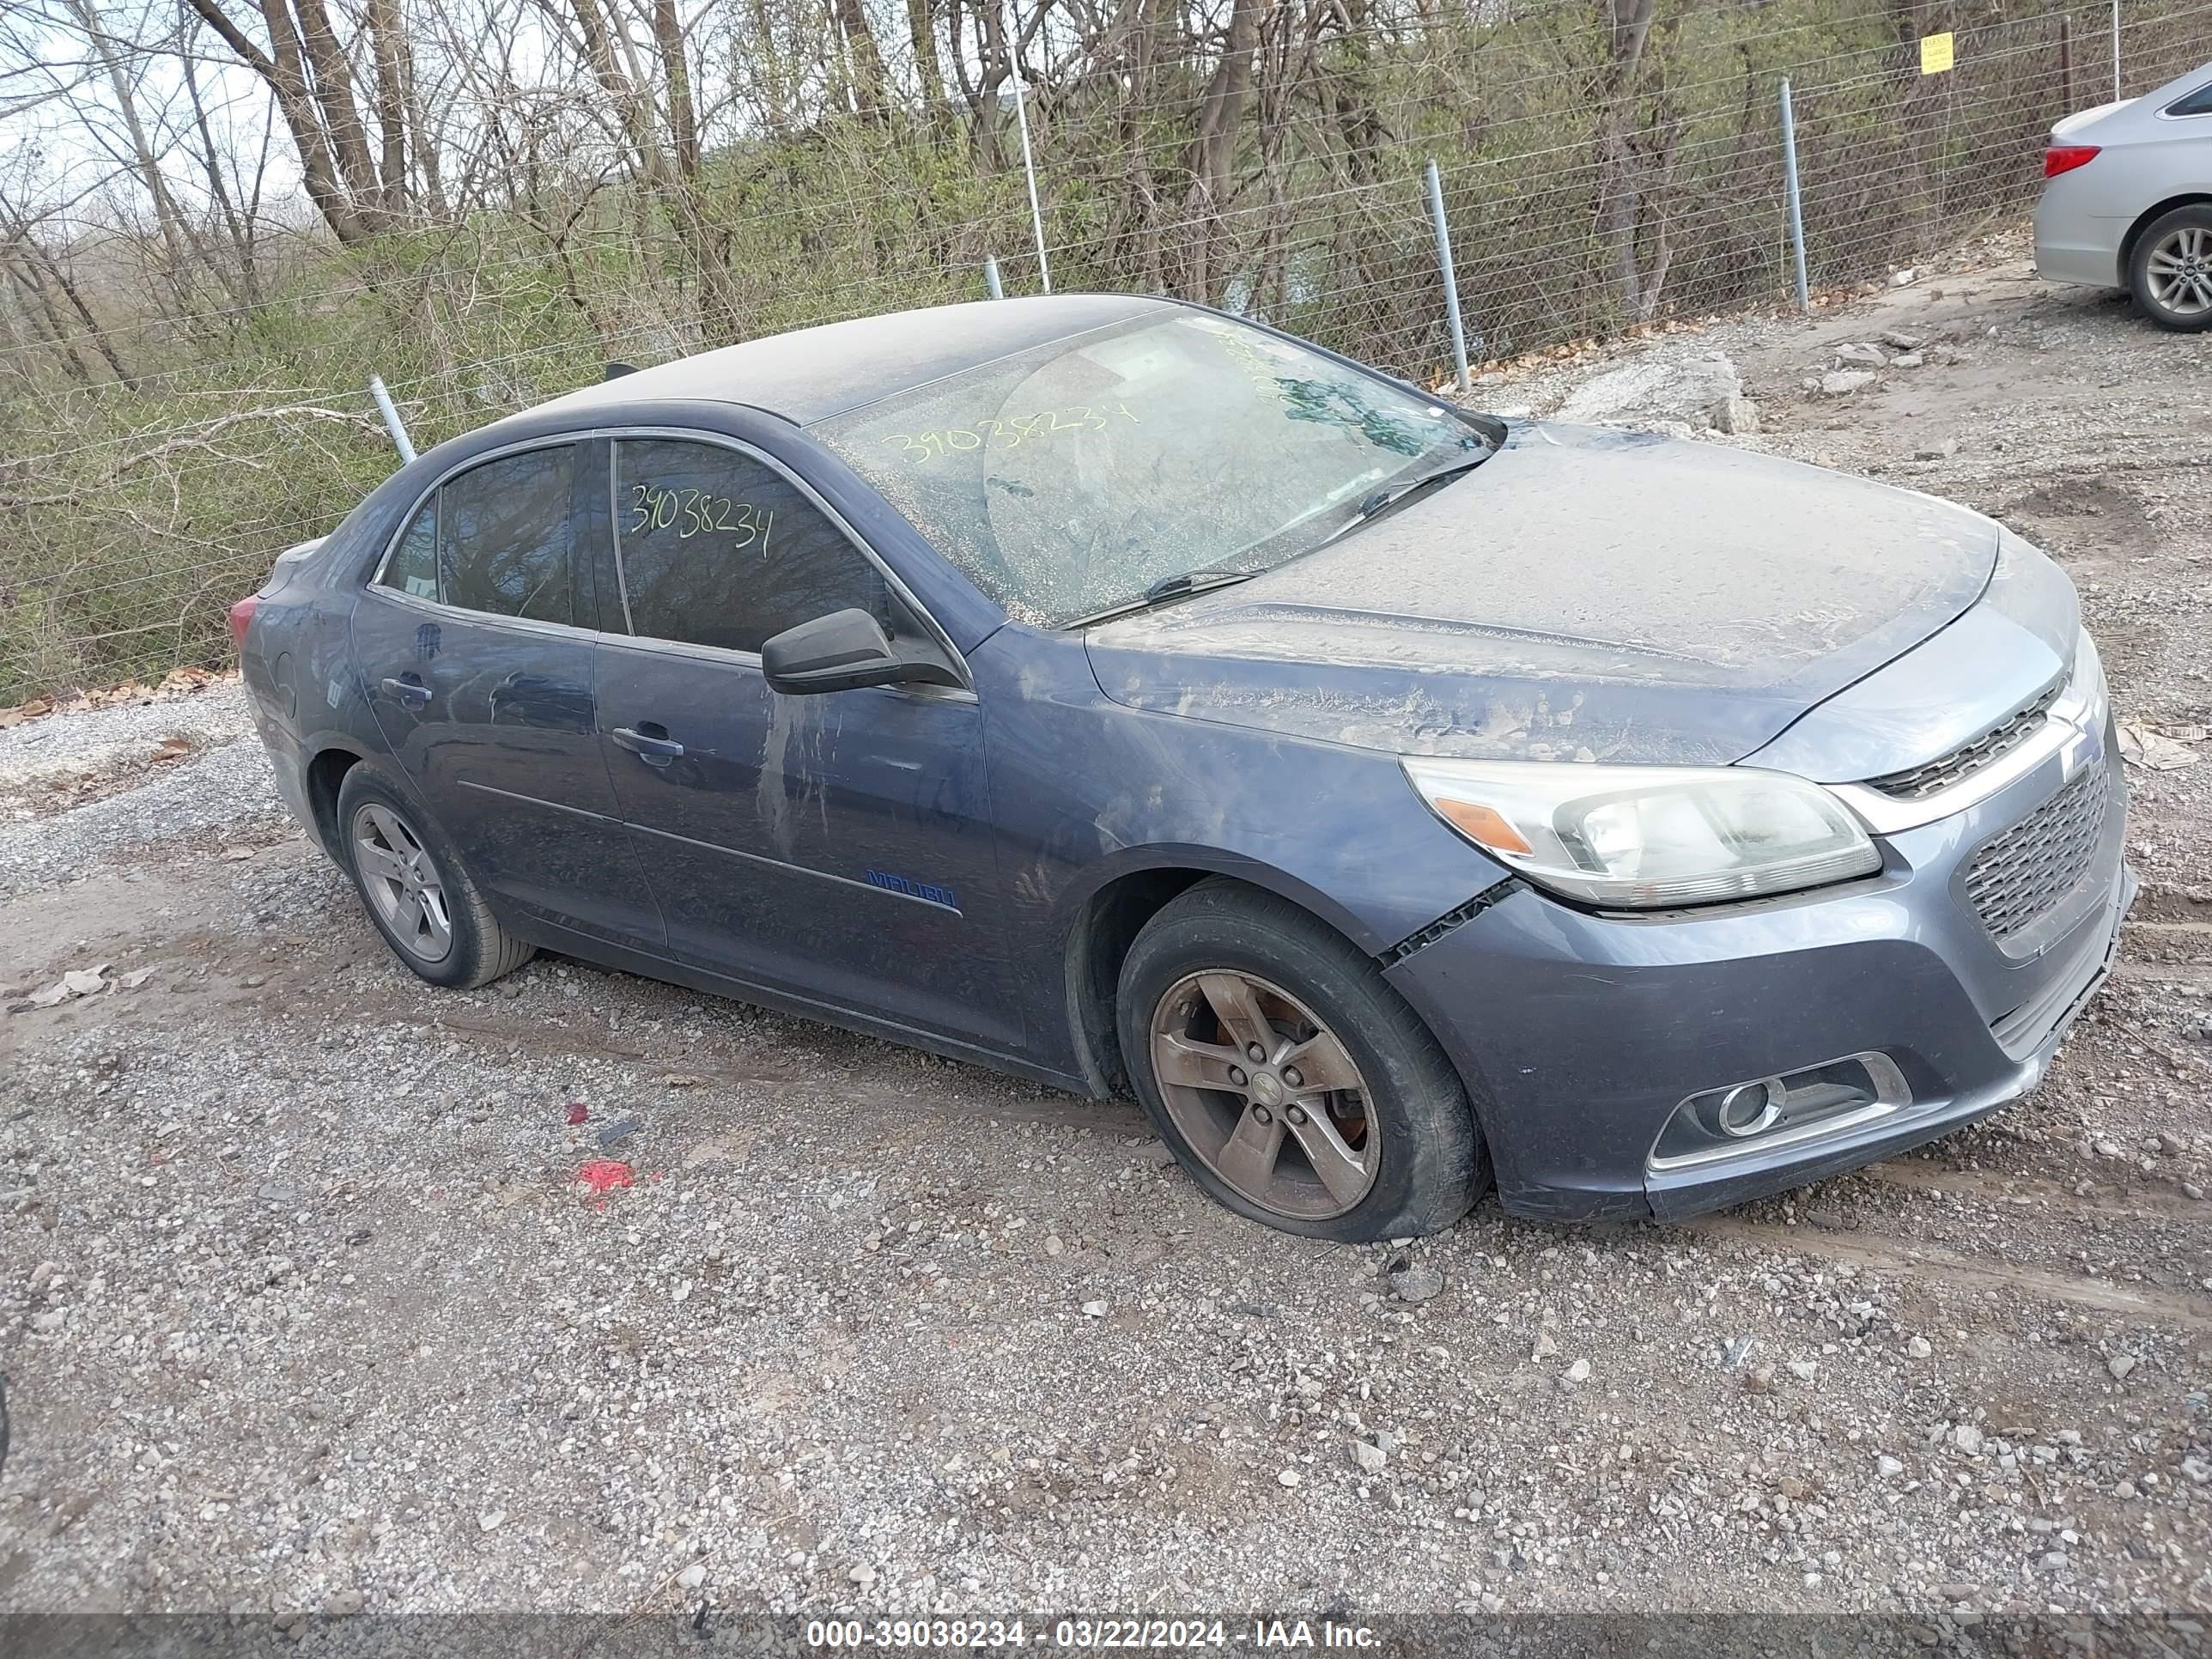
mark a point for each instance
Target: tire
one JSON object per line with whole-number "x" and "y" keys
{"x": 1401, "y": 1151}
{"x": 411, "y": 880}
{"x": 2177, "y": 293}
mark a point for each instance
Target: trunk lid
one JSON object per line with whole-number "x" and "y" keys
{"x": 2068, "y": 126}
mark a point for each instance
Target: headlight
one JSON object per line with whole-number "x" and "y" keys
{"x": 1643, "y": 837}
{"x": 2083, "y": 700}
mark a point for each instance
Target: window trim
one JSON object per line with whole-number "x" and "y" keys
{"x": 612, "y": 436}
{"x": 376, "y": 577}
{"x": 2174, "y": 111}
{"x": 837, "y": 521}
{"x": 579, "y": 565}
{"x": 614, "y": 536}
{"x": 437, "y": 566}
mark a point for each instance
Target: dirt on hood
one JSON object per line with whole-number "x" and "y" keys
{"x": 1638, "y": 598}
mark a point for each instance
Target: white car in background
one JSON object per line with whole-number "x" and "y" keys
{"x": 2127, "y": 201}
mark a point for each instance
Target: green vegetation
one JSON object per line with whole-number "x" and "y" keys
{"x": 177, "y": 409}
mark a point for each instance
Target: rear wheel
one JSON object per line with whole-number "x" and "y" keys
{"x": 1294, "y": 1085}
{"x": 413, "y": 886}
{"x": 2170, "y": 272}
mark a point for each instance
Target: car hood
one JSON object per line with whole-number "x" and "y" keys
{"x": 1584, "y": 594}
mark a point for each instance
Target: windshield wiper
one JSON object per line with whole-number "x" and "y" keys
{"x": 1168, "y": 587}
{"x": 1193, "y": 582}
{"x": 1199, "y": 582}
{"x": 1399, "y": 489}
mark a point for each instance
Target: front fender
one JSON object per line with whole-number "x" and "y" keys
{"x": 1086, "y": 792}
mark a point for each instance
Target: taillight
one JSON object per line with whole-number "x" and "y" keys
{"x": 2064, "y": 158}
{"x": 240, "y": 616}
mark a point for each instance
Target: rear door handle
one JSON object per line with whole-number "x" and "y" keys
{"x": 413, "y": 691}
{"x": 654, "y": 751}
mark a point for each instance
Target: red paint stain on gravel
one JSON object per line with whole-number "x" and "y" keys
{"x": 604, "y": 1175}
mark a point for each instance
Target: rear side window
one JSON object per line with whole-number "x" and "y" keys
{"x": 507, "y": 537}
{"x": 717, "y": 548}
{"x": 2198, "y": 102}
{"x": 413, "y": 566}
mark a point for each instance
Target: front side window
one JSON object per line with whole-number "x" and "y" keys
{"x": 507, "y": 537}
{"x": 1073, "y": 476}
{"x": 413, "y": 566}
{"x": 717, "y": 548}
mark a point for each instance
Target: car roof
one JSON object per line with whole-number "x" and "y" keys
{"x": 812, "y": 373}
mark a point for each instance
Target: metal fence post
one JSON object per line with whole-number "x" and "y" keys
{"x": 392, "y": 424}
{"x": 2116, "y": 51}
{"x": 1796, "y": 202}
{"x": 2066, "y": 62}
{"x": 1451, "y": 281}
{"x": 991, "y": 277}
{"x": 1029, "y": 161}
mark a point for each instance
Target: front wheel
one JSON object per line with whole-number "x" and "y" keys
{"x": 1291, "y": 1081}
{"x": 2170, "y": 272}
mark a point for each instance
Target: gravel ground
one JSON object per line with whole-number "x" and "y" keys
{"x": 80, "y": 789}
{"x": 302, "y": 1306}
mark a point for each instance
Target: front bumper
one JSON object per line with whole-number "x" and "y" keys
{"x": 1578, "y": 1034}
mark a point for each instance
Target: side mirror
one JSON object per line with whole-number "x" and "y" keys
{"x": 844, "y": 651}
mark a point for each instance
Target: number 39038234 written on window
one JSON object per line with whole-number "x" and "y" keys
{"x": 1012, "y": 433}
{"x": 692, "y": 513}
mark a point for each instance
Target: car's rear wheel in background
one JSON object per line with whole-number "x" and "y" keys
{"x": 413, "y": 886}
{"x": 1294, "y": 1083}
{"x": 2170, "y": 271}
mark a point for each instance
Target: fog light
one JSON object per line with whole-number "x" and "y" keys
{"x": 1769, "y": 1112}
{"x": 1749, "y": 1109}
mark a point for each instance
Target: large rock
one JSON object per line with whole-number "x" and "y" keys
{"x": 1738, "y": 416}
{"x": 1654, "y": 389}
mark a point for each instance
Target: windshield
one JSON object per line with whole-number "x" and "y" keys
{"x": 1072, "y": 477}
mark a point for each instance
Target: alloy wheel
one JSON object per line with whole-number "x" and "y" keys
{"x": 1266, "y": 1094}
{"x": 403, "y": 883}
{"x": 2179, "y": 271}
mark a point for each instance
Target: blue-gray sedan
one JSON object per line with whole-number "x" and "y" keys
{"x": 1394, "y": 799}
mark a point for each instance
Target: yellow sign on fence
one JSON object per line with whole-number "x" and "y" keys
{"x": 1936, "y": 52}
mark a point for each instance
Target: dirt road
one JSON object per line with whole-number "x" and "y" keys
{"x": 301, "y": 1306}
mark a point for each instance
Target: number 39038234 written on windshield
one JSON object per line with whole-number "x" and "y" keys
{"x": 691, "y": 513}
{"x": 1010, "y": 433}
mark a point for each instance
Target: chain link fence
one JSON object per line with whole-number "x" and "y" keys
{"x": 152, "y": 466}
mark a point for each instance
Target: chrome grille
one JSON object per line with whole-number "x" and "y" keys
{"x": 1940, "y": 774}
{"x": 2018, "y": 875}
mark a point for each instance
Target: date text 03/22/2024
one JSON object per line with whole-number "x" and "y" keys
{"x": 1169, "y": 1634}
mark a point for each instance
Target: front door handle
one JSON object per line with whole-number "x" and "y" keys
{"x": 652, "y": 750}
{"x": 408, "y": 691}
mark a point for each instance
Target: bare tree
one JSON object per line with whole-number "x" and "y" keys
{"x": 218, "y": 216}
{"x": 921, "y": 40}
{"x": 1627, "y": 168}
{"x": 306, "y": 66}
{"x": 865, "y": 59}
{"x": 1210, "y": 161}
